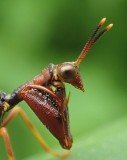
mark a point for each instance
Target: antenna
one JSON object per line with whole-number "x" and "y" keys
{"x": 94, "y": 37}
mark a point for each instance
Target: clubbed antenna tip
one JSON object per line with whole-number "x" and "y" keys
{"x": 102, "y": 21}
{"x": 109, "y": 27}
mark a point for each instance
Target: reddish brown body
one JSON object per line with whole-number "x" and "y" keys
{"x": 46, "y": 96}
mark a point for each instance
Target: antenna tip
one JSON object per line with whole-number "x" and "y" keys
{"x": 109, "y": 27}
{"x": 102, "y": 21}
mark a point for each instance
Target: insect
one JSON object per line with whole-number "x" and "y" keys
{"x": 46, "y": 96}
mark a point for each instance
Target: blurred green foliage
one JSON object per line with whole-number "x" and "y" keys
{"x": 36, "y": 33}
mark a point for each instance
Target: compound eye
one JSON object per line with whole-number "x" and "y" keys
{"x": 67, "y": 72}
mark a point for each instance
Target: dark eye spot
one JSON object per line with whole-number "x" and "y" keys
{"x": 67, "y": 72}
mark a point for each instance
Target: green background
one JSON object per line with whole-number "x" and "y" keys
{"x": 36, "y": 33}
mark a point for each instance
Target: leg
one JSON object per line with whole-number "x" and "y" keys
{"x": 37, "y": 135}
{"x": 4, "y": 134}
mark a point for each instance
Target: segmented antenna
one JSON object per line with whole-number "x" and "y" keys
{"x": 94, "y": 37}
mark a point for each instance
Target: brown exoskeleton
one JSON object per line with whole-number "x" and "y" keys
{"x": 46, "y": 96}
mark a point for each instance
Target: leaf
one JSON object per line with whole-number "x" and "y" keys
{"x": 106, "y": 143}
